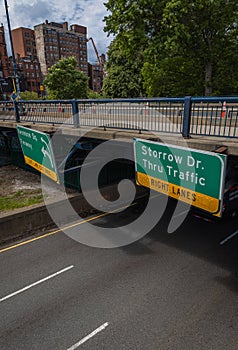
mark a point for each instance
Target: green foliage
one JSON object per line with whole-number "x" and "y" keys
{"x": 123, "y": 79}
{"x": 29, "y": 95}
{"x": 200, "y": 32}
{"x": 65, "y": 81}
{"x": 93, "y": 94}
{"x": 176, "y": 47}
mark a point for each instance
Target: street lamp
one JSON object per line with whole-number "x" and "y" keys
{"x": 13, "y": 54}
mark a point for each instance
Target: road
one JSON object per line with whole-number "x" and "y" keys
{"x": 166, "y": 291}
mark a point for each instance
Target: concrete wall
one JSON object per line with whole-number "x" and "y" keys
{"x": 29, "y": 221}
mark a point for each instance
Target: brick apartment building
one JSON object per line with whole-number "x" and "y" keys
{"x": 5, "y": 84}
{"x": 37, "y": 50}
{"x": 55, "y": 41}
{"x": 29, "y": 73}
{"x": 24, "y": 42}
{"x": 95, "y": 77}
{"x": 26, "y": 58}
{"x": 96, "y": 73}
{"x": 3, "y": 54}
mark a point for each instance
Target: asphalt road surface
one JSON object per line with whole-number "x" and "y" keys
{"x": 166, "y": 291}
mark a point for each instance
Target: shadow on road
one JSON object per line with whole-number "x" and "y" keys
{"x": 196, "y": 237}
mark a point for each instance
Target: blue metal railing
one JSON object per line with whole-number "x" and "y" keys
{"x": 214, "y": 116}
{"x": 211, "y": 116}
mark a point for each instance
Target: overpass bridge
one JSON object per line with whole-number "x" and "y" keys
{"x": 203, "y": 122}
{"x": 79, "y": 126}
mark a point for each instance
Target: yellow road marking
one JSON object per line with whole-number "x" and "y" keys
{"x": 68, "y": 227}
{"x": 63, "y": 228}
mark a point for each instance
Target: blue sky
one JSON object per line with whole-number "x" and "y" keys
{"x": 89, "y": 13}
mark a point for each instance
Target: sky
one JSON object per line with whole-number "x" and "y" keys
{"x": 89, "y": 13}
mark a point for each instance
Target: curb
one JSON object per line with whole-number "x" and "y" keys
{"x": 22, "y": 223}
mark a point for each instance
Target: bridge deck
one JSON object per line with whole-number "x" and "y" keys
{"x": 107, "y": 133}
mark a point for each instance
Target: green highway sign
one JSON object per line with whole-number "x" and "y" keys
{"x": 193, "y": 176}
{"x": 37, "y": 150}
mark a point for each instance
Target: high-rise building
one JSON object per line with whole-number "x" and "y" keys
{"x": 37, "y": 50}
{"x": 27, "y": 61}
{"x": 24, "y": 43}
{"x": 55, "y": 41}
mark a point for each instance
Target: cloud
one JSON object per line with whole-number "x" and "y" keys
{"x": 25, "y": 14}
{"x": 89, "y": 13}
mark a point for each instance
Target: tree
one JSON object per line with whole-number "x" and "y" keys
{"x": 29, "y": 95}
{"x": 123, "y": 79}
{"x": 65, "y": 81}
{"x": 93, "y": 94}
{"x": 203, "y": 31}
{"x": 185, "y": 47}
{"x": 128, "y": 22}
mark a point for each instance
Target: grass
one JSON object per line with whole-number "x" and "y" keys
{"x": 20, "y": 199}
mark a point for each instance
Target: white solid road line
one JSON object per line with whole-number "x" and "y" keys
{"x": 229, "y": 237}
{"x": 89, "y": 336}
{"x": 36, "y": 283}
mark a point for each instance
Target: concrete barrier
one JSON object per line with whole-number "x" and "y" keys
{"x": 27, "y": 221}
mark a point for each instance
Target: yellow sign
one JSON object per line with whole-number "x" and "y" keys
{"x": 38, "y": 152}
{"x": 196, "y": 199}
{"x": 51, "y": 174}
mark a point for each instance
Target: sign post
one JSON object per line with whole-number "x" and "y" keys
{"x": 37, "y": 150}
{"x": 193, "y": 176}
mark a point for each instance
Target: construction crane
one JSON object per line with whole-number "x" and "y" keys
{"x": 98, "y": 57}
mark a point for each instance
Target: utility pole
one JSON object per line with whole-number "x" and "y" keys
{"x": 13, "y": 54}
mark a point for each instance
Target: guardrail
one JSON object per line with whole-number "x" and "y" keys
{"x": 211, "y": 116}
